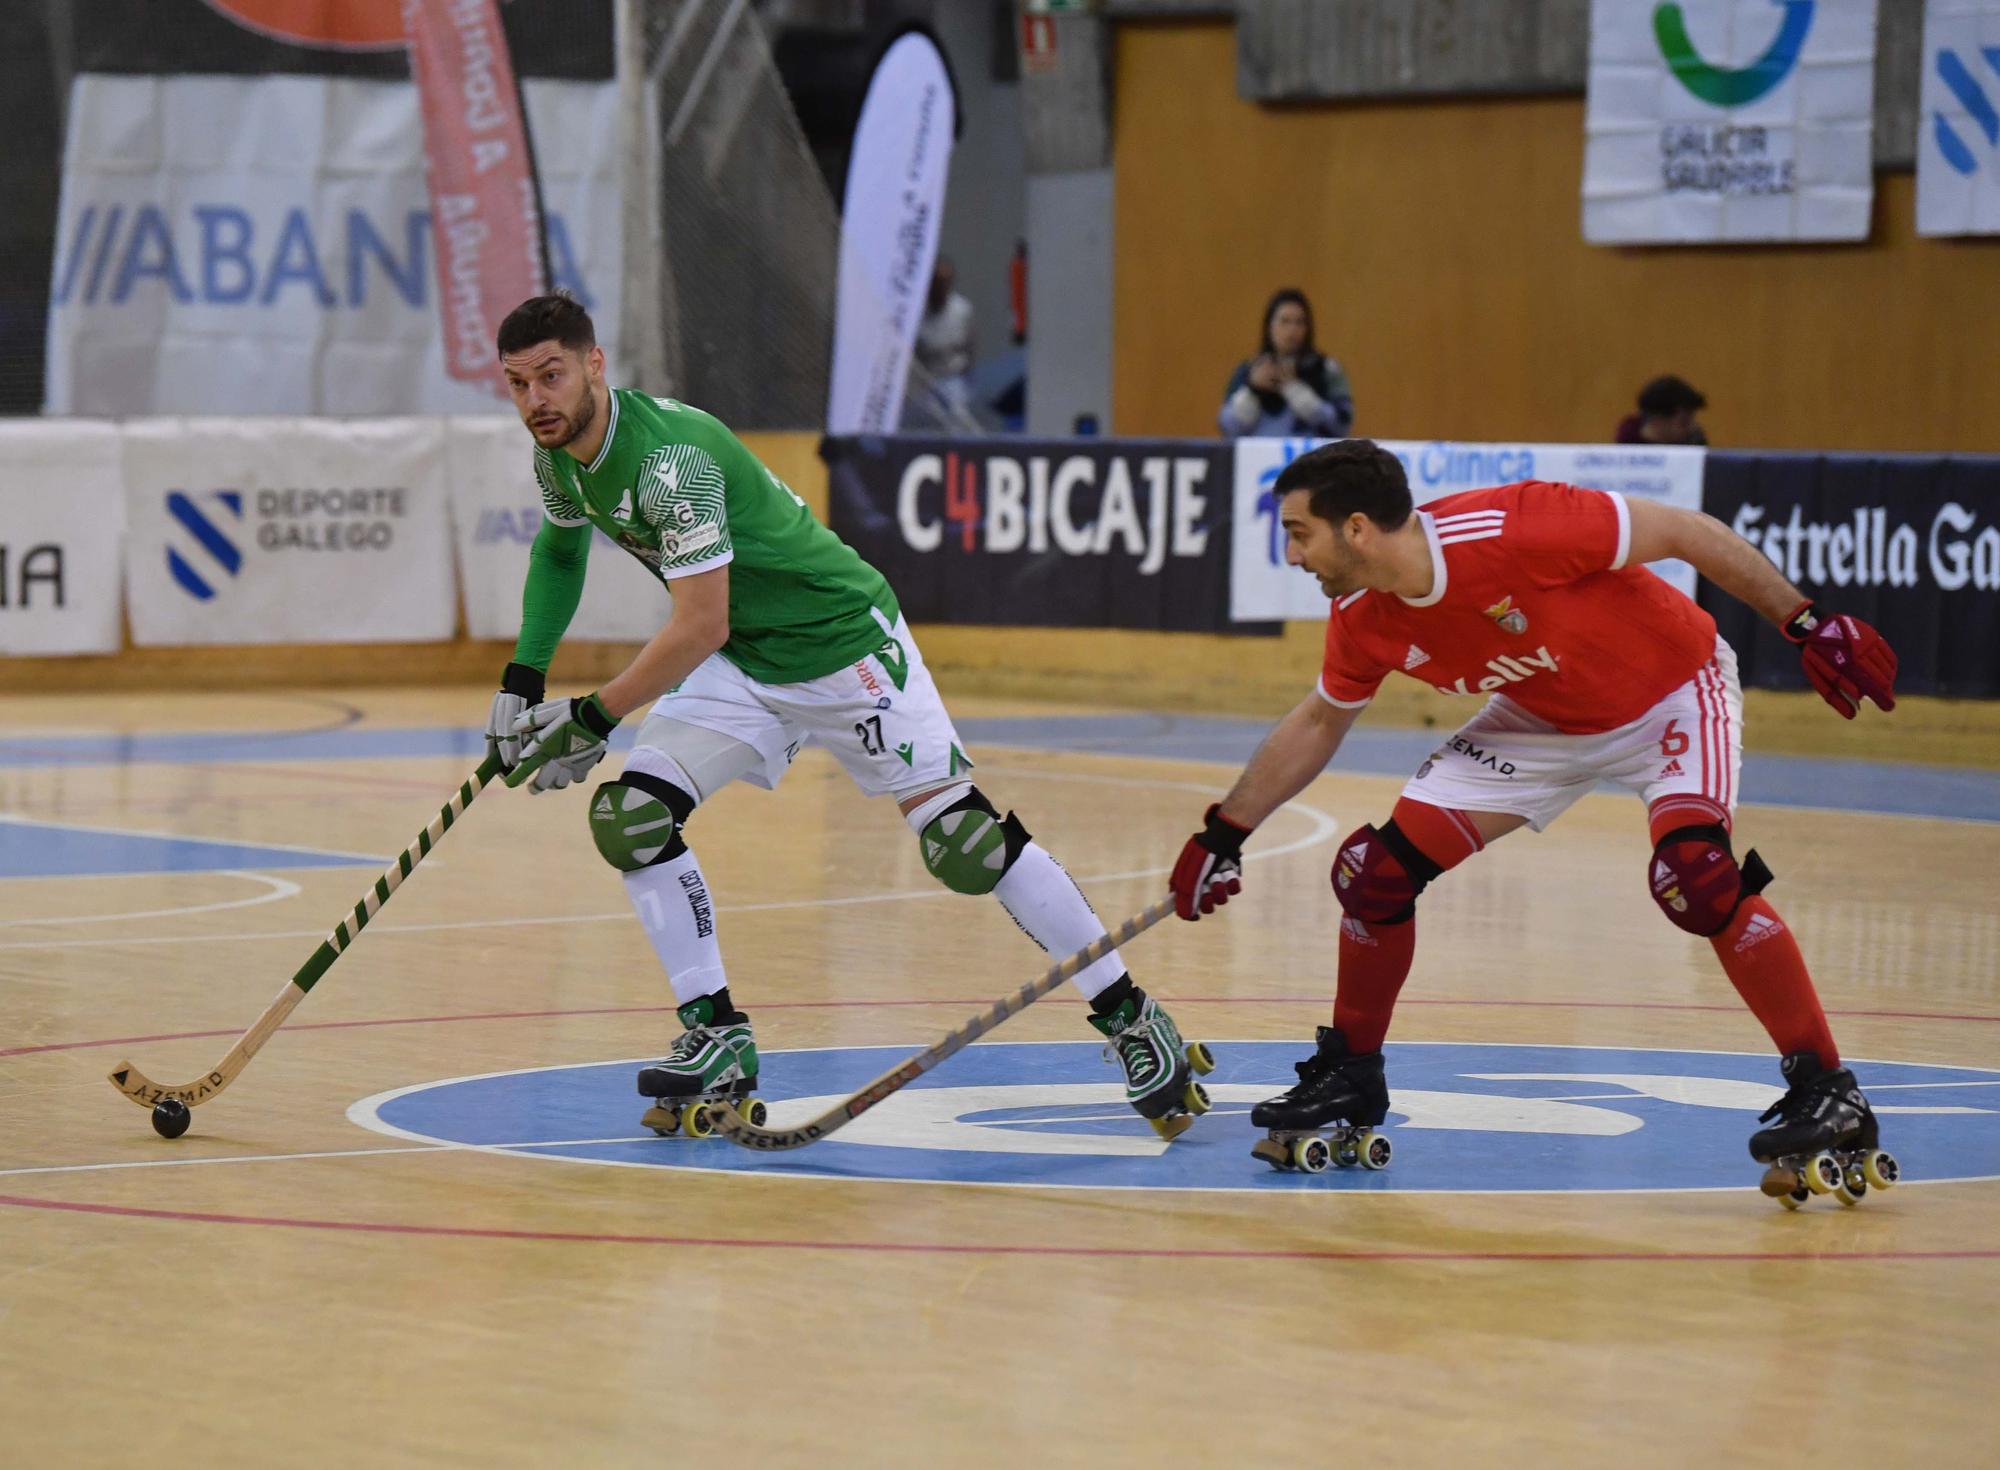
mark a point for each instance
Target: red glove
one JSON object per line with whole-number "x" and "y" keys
{"x": 1210, "y": 869}
{"x": 1845, "y": 659}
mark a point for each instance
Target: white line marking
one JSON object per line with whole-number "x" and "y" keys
{"x": 276, "y": 889}
{"x": 1323, "y": 826}
{"x": 336, "y": 1153}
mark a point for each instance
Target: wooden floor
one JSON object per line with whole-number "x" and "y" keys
{"x": 286, "y": 1287}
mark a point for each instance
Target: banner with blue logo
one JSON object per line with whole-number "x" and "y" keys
{"x": 1958, "y": 120}
{"x": 287, "y": 531}
{"x": 1724, "y": 120}
{"x": 264, "y": 244}
{"x": 1262, "y": 585}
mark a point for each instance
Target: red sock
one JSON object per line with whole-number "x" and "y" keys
{"x": 1763, "y": 962}
{"x": 1375, "y": 958}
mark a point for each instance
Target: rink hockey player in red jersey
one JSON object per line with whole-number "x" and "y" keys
{"x": 1535, "y": 595}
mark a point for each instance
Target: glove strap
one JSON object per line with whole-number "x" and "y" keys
{"x": 1221, "y": 836}
{"x": 526, "y": 681}
{"x": 590, "y": 713}
{"x": 1806, "y": 620}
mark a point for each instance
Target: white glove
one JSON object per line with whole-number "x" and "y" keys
{"x": 562, "y": 740}
{"x": 520, "y": 686}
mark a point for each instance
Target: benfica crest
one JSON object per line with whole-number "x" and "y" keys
{"x": 1508, "y": 616}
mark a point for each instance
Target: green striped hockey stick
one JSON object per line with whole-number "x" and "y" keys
{"x": 136, "y": 1085}
{"x": 742, "y": 1132}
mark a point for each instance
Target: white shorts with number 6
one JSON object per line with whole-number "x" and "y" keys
{"x": 1503, "y": 759}
{"x": 881, "y": 717}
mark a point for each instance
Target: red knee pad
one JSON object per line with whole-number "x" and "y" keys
{"x": 1379, "y": 874}
{"x": 1696, "y": 881}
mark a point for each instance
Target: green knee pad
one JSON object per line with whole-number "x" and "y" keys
{"x": 632, "y": 827}
{"x": 969, "y": 848}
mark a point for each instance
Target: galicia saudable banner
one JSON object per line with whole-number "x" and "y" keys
{"x": 889, "y": 223}
{"x": 1958, "y": 123}
{"x": 1062, "y": 533}
{"x": 1910, "y": 543}
{"x": 486, "y": 211}
{"x": 1726, "y": 120}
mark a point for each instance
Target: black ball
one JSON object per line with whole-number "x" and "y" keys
{"x": 171, "y": 1117}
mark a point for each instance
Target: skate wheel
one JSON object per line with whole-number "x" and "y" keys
{"x": 694, "y": 1120}
{"x": 1852, "y": 1188}
{"x": 663, "y": 1121}
{"x": 1373, "y": 1150}
{"x": 1795, "y": 1198}
{"x": 752, "y": 1111}
{"x": 1200, "y": 1058}
{"x": 1345, "y": 1154}
{"x": 1879, "y": 1169}
{"x": 1272, "y": 1152}
{"x": 1196, "y": 1099}
{"x": 1823, "y": 1174}
{"x": 1312, "y": 1155}
{"x": 1173, "y": 1126}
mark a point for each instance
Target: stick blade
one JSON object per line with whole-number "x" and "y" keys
{"x": 144, "y": 1091}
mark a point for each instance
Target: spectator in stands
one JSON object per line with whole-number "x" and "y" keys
{"x": 1288, "y": 389}
{"x": 945, "y": 344}
{"x": 1667, "y": 407}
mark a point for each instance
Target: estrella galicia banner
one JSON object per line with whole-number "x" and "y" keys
{"x": 1721, "y": 120}
{"x": 1063, "y": 533}
{"x": 1910, "y": 543}
{"x": 287, "y": 531}
{"x": 1958, "y": 122}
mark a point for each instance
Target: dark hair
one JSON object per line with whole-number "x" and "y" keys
{"x": 1669, "y": 395}
{"x": 1351, "y": 475}
{"x": 1290, "y": 295}
{"x": 538, "y": 319}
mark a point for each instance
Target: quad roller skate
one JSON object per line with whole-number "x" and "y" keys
{"x": 1159, "y": 1067}
{"x": 714, "y": 1064}
{"x": 1824, "y": 1141}
{"x": 1331, "y": 1116}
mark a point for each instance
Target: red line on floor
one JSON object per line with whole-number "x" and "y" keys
{"x": 579, "y": 1237}
{"x": 816, "y": 1005}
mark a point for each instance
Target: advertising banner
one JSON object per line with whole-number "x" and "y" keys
{"x": 1261, "y": 585}
{"x": 1714, "y": 120}
{"x": 1910, "y": 543}
{"x": 287, "y": 531}
{"x": 496, "y": 510}
{"x": 486, "y": 214}
{"x": 1126, "y": 533}
{"x": 1958, "y": 120}
{"x": 889, "y": 223}
{"x": 230, "y": 245}
{"x": 62, "y": 518}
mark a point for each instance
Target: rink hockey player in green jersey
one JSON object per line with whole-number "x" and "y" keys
{"x": 780, "y": 634}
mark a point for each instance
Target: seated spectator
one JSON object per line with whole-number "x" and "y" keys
{"x": 944, "y": 348}
{"x": 1287, "y": 390}
{"x": 1667, "y": 407}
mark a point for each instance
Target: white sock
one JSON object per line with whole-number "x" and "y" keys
{"x": 1044, "y": 900}
{"x": 674, "y": 908}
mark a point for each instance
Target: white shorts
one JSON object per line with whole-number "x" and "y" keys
{"x": 881, "y": 717}
{"x": 1689, "y": 745}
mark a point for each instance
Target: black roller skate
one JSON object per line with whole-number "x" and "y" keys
{"x": 1824, "y": 1141}
{"x": 1159, "y": 1066}
{"x": 713, "y": 1063}
{"x": 1331, "y": 1116}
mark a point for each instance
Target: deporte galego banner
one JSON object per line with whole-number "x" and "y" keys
{"x": 1910, "y": 543}
{"x": 1130, "y": 533}
{"x": 287, "y": 531}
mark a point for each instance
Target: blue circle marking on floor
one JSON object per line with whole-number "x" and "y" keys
{"x": 1465, "y": 1118}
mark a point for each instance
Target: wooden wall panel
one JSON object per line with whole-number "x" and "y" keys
{"x": 1440, "y": 243}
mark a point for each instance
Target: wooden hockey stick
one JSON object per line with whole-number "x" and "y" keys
{"x": 739, "y": 1130}
{"x": 136, "y": 1085}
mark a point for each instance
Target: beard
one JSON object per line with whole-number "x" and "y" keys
{"x": 572, "y": 424}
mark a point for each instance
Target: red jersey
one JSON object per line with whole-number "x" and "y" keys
{"x": 1532, "y": 598}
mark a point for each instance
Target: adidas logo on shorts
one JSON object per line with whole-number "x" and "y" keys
{"x": 1414, "y": 657}
{"x": 1671, "y": 768}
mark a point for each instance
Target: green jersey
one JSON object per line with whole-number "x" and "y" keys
{"x": 676, "y": 489}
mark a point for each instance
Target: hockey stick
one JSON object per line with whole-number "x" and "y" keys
{"x": 739, "y": 1130}
{"x": 136, "y": 1085}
